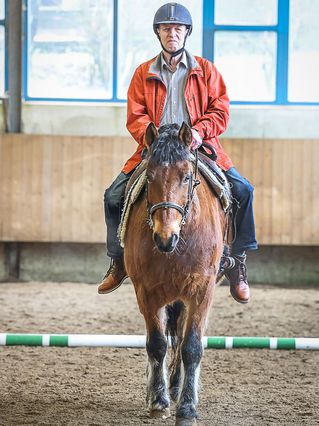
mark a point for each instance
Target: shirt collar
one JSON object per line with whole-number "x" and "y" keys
{"x": 182, "y": 61}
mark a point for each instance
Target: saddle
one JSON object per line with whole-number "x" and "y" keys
{"x": 133, "y": 190}
{"x": 216, "y": 180}
{"x": 140, "y": 169}
{"x": 208, "y": 168}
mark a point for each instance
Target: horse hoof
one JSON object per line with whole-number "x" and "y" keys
{"x": 160, "y": 414}
{"x": 185, "y": 421}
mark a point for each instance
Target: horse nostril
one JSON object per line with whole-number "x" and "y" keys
{"x": 171, "y": 243}
{"x": 166, "y": 246}
{"x": 157, "y": 239}
{"x": 174, "y": 240}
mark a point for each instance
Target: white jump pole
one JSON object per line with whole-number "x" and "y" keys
{"x": 138, "y": 341}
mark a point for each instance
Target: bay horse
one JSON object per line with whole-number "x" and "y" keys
{"x": 173, "y": 246}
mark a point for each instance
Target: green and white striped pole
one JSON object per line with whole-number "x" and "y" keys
{"x": 262, "y": 343}
{"x": 138, "y": 341}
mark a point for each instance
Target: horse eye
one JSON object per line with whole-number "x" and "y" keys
{"x": 186, "y": 178}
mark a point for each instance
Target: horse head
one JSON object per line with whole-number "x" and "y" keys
{"x": 170, "y": 182}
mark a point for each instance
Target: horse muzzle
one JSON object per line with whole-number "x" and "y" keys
{"x": 166, "y": 245}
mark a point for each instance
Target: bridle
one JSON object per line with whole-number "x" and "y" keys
{"x": 184, "y": 210}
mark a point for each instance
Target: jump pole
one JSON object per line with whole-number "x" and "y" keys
{"x": 138, "y": 341}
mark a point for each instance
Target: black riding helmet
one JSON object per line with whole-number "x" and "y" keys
{"x": 173, "y": 13}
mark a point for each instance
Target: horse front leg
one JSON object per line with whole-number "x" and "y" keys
{"x": 191, "y": 353}
{"x": 156, "y": 346}
{"x": 175, "y": 325}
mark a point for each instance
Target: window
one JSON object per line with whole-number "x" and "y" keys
{"x": 2, "y": 11}
{"x": 266, "y": 50}
{"x": 247, "y": 61}
{"x": 245, "y": 12}
{"x": 69, "y": 49}
{"x": 70, "y": 46}
{"x": 244, "y": 47}
{"x": 303, "y": 68}
{"x": 2, "y": 47}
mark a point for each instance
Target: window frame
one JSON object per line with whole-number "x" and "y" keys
{"x": 28, "y": 98}
{"x": 3, "y": 23}
{"x": 209, "y": 30}
{"x": 282, "y": 31}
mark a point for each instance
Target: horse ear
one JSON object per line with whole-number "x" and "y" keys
{"x": 185, "y": 134}
{"x": 150, "y": 135}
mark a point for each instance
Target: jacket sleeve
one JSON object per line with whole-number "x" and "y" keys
{"x": 137, "y": 116}
{"x": 214, "y": 120}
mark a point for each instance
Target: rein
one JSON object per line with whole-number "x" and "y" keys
{"x": 183, "y": 210}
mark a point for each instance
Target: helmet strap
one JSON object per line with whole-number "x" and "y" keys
{"x": 178, "y": 52}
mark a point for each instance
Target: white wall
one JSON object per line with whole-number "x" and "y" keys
{"x": 108, "y": 120}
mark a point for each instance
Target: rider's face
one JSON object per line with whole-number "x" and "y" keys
{"x": 172, "y": 36}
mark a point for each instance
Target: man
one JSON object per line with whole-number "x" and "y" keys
{"x": 172, "y": 88}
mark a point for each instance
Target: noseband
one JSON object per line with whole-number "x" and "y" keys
{"x": 184, "y": 210}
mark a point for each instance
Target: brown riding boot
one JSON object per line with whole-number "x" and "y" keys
{"x": 114, "y": 277}
{"x": 236, "y": 273}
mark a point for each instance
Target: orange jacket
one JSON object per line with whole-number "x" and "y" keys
{"x": 206, "y": 99}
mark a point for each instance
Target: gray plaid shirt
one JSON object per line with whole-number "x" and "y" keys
{"x": 175, "y": 109}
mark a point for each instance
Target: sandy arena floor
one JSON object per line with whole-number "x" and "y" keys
{"x": 103, "y": 386}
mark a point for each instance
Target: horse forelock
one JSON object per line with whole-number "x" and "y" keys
{"x": 168, "y": 148}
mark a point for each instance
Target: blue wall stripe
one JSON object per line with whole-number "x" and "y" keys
{"x": 70, "y": 100}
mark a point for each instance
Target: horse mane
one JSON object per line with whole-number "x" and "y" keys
{"x": 168, "y": 148}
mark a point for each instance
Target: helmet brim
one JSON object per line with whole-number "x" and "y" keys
{"x": 155, "y": 26}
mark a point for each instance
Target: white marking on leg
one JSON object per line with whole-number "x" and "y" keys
{"x": 149, "y": 376}
{"x": 181, "y": 382}
{"x": 163, "y": 377}
{"x": 196, "y": 384}
{"x": 165, "y": 372}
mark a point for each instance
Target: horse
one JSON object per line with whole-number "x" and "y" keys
{"x": 173, "y": 247}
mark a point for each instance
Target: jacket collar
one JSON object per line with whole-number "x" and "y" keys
{"x": 183, "y": 61}
{"x": 154, "y": 70}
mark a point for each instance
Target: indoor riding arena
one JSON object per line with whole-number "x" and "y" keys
{"x": 71, "y": 356}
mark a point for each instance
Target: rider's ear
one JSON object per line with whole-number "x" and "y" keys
{"x": 185, "y": 134}
{"x": 150, "y": 135}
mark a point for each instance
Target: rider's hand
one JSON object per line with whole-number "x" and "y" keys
{"x": 197, "y": 140}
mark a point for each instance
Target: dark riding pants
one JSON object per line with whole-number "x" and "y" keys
{"x": 244, "y": 224}
{"x": 113, "y": 204}
{"x": 241, "y": 189}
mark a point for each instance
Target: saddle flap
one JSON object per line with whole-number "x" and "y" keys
{"x": 216, "y": 180}
{"x": 133, "y": 190}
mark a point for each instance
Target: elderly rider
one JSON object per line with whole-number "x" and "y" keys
{"x": 173, "y": 87}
